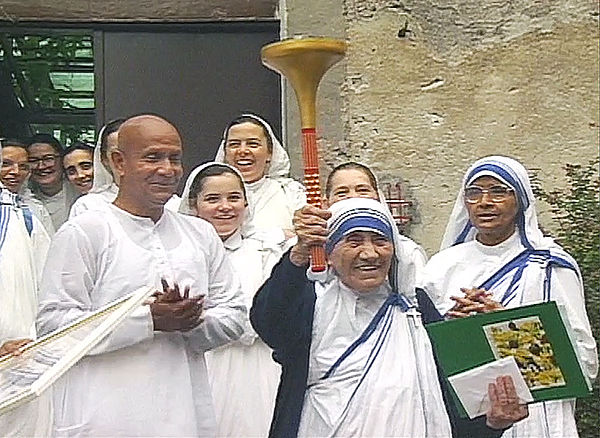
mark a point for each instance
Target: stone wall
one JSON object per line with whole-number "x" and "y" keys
{"x": 134, "y": 10}
{"x": 430, "y": 86}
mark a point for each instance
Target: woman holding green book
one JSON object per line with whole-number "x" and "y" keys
{"x": 495, "y": 256}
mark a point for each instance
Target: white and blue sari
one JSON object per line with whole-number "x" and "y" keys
{"x": 19, "y": 233}
{"x": 371, "y": 367}
{"x": 526, "y": 268}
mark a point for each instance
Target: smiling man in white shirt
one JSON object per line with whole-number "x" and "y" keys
{"x": 148, "y": 378}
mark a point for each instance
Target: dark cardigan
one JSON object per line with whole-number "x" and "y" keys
{"x": 282, "y": 314}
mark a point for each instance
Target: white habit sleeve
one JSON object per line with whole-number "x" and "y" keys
{"x": 567, "y": 290}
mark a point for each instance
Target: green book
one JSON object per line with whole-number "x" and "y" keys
{"x": 535, "y": 335}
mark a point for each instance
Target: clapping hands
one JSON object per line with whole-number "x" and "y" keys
{"x": 172, "y": 311}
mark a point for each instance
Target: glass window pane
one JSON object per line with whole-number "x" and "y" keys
{"x": 52, "y": 78}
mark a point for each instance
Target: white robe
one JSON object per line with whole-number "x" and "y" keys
{"x": 58, "y": 205}
{"x": 94, "y": 201}
{"x": 138, "y": 382}
{"x": 38, "y": 210}
{"x": 21, "y": 258}
{"x": 274, "y": 201}
{"x": 470, "y": 264}
{"x": 243, "y": 375}
{"x": 387, "y": 387}
{"x": 98, "y": 201}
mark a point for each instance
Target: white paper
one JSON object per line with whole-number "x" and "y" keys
{"x": 25, "y": 377}
{"x": 471, "y": 386}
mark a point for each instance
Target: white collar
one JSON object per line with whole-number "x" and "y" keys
{"x": 256, "y": 185}
{"x": 234, "y": 241}
{"x": 379, "y": 295}
{"x": 142, "y": 221}
{"x": 500, "y": 248}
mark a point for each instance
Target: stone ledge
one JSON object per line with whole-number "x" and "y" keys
{"x": 91, "y": 11}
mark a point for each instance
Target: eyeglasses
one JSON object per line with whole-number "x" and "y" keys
{"x": 23, "y": 167}
{"x": 49, "y": 160}
{"x": 474, "y": 194}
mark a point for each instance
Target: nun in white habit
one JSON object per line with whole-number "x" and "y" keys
{"x": 358, "y": 338}
{"x": 518, "y": 268}
{"x": 105, "y": 186}
{"x": 250, "y": 145}
{"x": 104, "y": 189}
{"x": 22, "y": 253}
{"x": 242, "y": 374}
{"x": 356, "y": 358}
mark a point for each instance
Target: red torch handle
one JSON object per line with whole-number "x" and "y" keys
{"x": 313, "y": 190}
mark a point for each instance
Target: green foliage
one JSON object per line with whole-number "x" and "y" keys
{"x": 52, "y": 76}
{"x": 36, "y": 60}
{"x": 576, "y": 211}
{"x": 67, "y": 134}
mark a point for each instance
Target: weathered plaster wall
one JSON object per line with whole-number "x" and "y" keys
{"x": 464, "y": 80}
{"x": 134, "y": 10}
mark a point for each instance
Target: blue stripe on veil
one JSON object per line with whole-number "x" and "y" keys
{"x": 5, "y": 211}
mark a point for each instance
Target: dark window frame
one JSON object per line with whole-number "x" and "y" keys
{"x": 96, "y": 30}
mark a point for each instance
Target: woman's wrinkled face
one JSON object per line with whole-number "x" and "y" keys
{"x": 79, "y": 168}
{"x": 222, "y": 203}
{"x": 46, "y": 165}
{"x": 350, "y": 183}
{"x": 362, "y": 260}
{"x": 247, "y": 150}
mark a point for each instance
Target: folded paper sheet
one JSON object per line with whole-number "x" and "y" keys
{"x": 471, "y": 386}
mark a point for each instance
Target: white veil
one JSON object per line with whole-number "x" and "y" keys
{"x": 103, "y": 179}
{"x": 402, "y": 276}
{"x": 279, "y": 167}
{"x": 246, "y": 228}
{"x": 410, "y": 258}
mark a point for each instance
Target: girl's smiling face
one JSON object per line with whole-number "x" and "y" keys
{"x": 222, "y": 203}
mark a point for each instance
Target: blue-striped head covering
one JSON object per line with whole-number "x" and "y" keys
{"x": 514, "y": 175}
{"x": 357, "y": 214}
